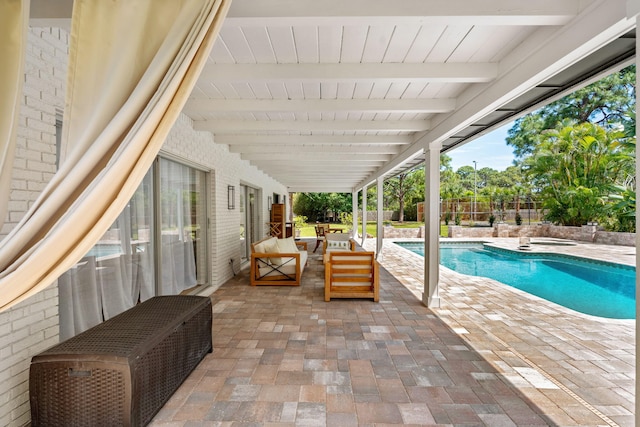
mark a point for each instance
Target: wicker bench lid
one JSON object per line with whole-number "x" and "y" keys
{"x": 131, "y": 332}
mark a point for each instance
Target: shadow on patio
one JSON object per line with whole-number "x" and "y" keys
{"x": 283, "y": 356}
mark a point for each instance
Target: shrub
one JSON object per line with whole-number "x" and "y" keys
{"x": 346, "y": 219}
{"x": 300, "y": 221}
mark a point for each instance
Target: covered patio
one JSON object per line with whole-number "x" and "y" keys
{"x": 491, "y": 355}
{"x": 311, "y": 96}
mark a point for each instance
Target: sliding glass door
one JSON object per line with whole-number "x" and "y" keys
{"x": 182, "y": 219}
{"x": 157, "y": 246}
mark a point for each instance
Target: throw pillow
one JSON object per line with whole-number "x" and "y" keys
{"x": 271, "y": 247}
{"x": 339, "y": 244}
{"x": 287, "y": 245}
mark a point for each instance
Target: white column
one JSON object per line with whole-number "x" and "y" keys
{"x": 633, "y": 8}
{"x": 354, "y": 214}
{"x": 364, "y": 215}
{"x": 379, "y": 229}
{"x": 431, "y": 294}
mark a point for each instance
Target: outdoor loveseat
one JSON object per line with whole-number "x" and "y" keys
{"x": 278, "y": 261}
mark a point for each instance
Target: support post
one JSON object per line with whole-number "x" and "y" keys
{"x": 379, "y": 229}
{"x": 633, "y": 9}
{"x": 364, "y": 215}
{"x": 431, "y": 294}
{"x": 354, "y": 214}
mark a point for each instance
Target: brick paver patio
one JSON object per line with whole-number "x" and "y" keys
{"x": 491, "y": 355}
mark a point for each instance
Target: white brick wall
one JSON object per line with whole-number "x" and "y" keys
{"x": 33, "y": 325}
{"x": 226, "y": 169}
{"x": 27, "y": 329}
{"x": 34, "y": 164}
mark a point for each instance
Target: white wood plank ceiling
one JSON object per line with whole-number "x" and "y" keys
{"x": 330, "y": 95}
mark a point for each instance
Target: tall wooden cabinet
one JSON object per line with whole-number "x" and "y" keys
{"x": 279, "y": 227}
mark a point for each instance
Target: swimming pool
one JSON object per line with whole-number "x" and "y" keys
{"x": 592, "y": 287}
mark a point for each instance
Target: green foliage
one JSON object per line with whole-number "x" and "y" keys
{"x": 624, "y": 218}
{"x": 372, "y": 198}
{"x": 300, "y": 221}
{"x": 316, "y": 205}
{"x": 450, "y": 189}
{"x": 576, "y": 166}
{"x": 574, "y": 206}
{"x": 577, "y": 155}
{"x": 346, "y": 219}
{"x": 402, "y": 188}
{"x": 609, "y": 102}
{"x": 445, "y": 162}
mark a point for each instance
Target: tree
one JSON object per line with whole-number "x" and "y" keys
{"x": 316, "y": 205}
{"x": 577, "y": 166}
{"x": 506, "y": 178}
{"x": 466, "y": 176}
{"x": 609, "y": 102}
{"x": 445, "y": 162}
{"x": 403, "y": 186}
{"x": 451, "y": 190}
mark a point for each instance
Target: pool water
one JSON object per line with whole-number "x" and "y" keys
{"x": 590, "y": 287}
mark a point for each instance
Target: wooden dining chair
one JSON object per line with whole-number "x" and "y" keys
{"x": 321, "y": 231}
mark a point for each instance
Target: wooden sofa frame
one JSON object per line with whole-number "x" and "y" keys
{"x": 262, "y": 259}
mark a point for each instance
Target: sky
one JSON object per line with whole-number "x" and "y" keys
{"x": 489, "y": 150}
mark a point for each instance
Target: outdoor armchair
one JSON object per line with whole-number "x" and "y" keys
{"x": 351, "y": 275}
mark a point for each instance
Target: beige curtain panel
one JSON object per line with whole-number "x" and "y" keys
{"x": 132, "y": 65}
{"x": 14, "y": 20}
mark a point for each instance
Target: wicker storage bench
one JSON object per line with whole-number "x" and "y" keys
{"x": 122, "y": 371}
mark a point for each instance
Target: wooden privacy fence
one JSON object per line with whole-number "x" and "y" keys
{"x": 469, "y": 209}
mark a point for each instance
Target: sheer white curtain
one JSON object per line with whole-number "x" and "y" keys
{"x": 132, "y": 65}
{"x": 80, "y": 305}
{"x": 112, "y": 277}
{"x": 179, "y": 191}
{"x": 14, "y": 21}
{"x": 114, "y": 286}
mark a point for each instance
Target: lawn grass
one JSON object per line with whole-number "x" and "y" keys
{"x": 407, "y": 224}
{"x": 310, "y": 231}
